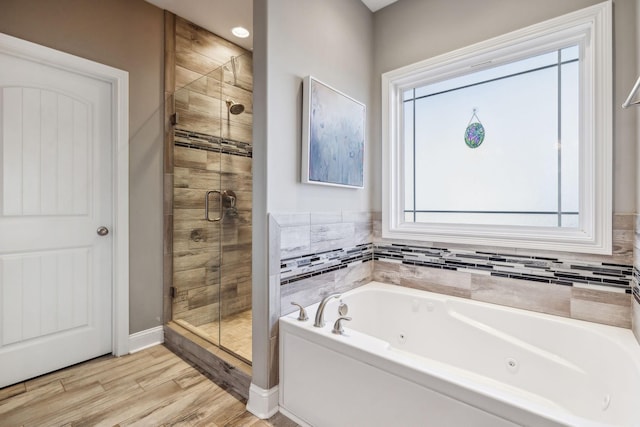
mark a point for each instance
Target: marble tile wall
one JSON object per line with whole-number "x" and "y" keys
{"x": 582, "y": 286}
{"x": 543, "y": 269}
{"x": 599, "y": 306}
{"x": 304, "y": 267}
{"x": 321, "y": 253}
{"x": 316, "y": 247}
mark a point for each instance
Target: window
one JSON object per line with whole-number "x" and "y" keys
{"x": 525, "y": 170}
{"x": 507, "y": 142}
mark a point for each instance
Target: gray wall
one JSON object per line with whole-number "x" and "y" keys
{"x": 126, "y": 34}
{"x": 411, "y": 30}
{"x": 333, "y": 41}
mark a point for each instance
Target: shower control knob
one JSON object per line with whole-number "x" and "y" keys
{"x": 102, "y": 231}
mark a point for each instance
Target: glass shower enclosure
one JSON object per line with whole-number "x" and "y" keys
{"x": 212, "y": 206}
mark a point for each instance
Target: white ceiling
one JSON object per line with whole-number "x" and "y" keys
{"x": 217, "y": 16}
{"x": 220, "y": 16}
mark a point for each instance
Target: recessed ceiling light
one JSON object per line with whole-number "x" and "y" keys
{"x": 241, "y": 32}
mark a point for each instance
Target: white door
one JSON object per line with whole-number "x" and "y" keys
{"x": 55, "y": 193}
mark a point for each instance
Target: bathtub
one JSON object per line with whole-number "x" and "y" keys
{"x": 415, "y": 358}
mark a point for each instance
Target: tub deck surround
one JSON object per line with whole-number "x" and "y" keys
{"x": 302, "y": 234}
{"x": 313, "y": 289}
{"x": 601, "y": 306}
{"x": 411, "y": 357}
{"x": 598, "y": 292}
{"x": 299, "y": 268}
{"x": 312, "y": 244}
{"x": 318, "y": 253}
{"x": 589, "y": 275}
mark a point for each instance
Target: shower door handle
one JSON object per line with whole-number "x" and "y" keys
{"x": 206, "y": 206}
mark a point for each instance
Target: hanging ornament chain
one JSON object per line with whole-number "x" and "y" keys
{"x": 474, "y": 134}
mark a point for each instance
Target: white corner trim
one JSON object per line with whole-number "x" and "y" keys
{"x": 145, "y": 339}
{"x": 262, "y": 403}
{"x": 120, "y": 93}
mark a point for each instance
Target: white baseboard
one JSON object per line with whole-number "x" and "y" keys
{"x": 145, "y": 339}
{"x": 262, "y": 403}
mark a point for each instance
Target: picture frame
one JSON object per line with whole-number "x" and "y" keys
{"x": 333, "y": 136}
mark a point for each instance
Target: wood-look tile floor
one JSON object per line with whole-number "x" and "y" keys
{"x": 234, "y": 330}
{"x": 153, "y": 387}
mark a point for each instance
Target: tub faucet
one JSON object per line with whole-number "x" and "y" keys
{"x": 337, "y": 327}
{"x": 319, "y": 323}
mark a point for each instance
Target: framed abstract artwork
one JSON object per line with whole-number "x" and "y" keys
{"x": 333, "y": 136}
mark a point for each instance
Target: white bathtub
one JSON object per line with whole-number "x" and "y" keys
{"x": 415, "y": 358}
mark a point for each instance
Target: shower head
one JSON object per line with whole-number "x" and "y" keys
{"x": 234, "y": 108}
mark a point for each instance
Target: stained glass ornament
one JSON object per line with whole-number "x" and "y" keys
{"x": 474, "y": 134}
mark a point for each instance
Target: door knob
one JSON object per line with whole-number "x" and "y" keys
{"x": 102, "y": 231}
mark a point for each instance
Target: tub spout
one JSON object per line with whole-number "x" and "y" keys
{"x": 319, "y": 323}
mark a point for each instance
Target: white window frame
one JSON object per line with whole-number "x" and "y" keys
{"x": 591, "y": 29}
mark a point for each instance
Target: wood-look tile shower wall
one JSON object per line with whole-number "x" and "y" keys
{"x": 209, "y": 258}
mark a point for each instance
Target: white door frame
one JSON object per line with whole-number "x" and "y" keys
{"x": 119, "y": 81}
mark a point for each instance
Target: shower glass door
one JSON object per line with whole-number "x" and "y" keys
{"x": 212, "y": 207}
{"x": 196, "y": 239}
{"x": 236, "y": 175}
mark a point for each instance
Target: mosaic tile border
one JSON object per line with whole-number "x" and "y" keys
{"x": 636, "y": 285}
{"x": 612, "y": 277}
{"x": 201, "y": 141}
{"x": 303, "y": 267}
{"x": 595, "y": 276}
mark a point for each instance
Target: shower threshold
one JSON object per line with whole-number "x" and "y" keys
{"x": 234, "y": 332}
{"x": 221, "y": 366}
